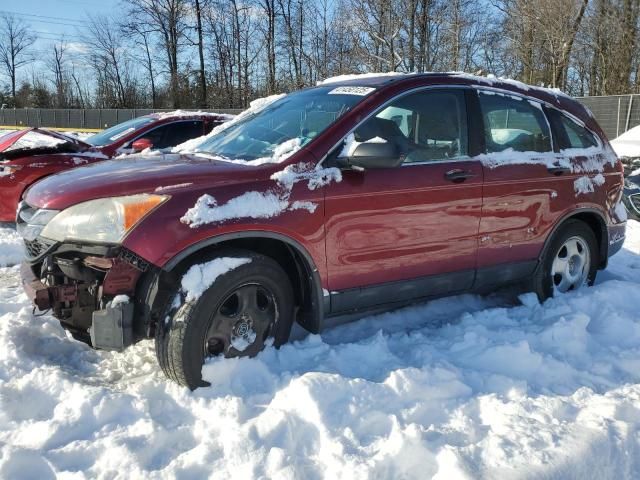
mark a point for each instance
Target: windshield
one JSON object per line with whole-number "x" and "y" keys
{"x": 302, "y": 115}
{"x": 112, "y": 134}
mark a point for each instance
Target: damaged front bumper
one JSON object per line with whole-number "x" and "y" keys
{"x": 79, "y": 287}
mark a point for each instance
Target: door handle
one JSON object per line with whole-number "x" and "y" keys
{"x": 557, "y": 171}
{"x": 458, "y": 176}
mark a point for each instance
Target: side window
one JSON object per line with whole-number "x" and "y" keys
{"x": 423, "y": 127}
{"x": 154, "y": 136}
{"x": 577, "y": 135}
{"x": 173, "y": 134}
{"x": 513, "y": 123}
{"x": 180, "y": 132}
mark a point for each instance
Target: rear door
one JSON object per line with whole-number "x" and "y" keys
{"x": 524, "y": 193}
{"x": 411, "y": 231}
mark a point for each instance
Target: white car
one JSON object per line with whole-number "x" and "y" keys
{"x": 627, "y": 147}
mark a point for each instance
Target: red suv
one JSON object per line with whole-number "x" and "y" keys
{"x": 31, "y": 154}
{"x": 362, "y": 193}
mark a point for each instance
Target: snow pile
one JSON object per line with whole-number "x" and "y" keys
{"x": 465, "y": 387}
{"x": 200, "y": 277}
{"x": 248, "y": 205}
{"x": 11, "y": 247}
{"x": 592, "y": 159}
{"x": 628, "y": 144}
{"x": 267, "y": 204}
{"x": 315, "y": 177}
{"x": 190, "y": 146}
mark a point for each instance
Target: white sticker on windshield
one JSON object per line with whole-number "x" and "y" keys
{"x": 121, "y": 134}
{"x": 362, "y": 91}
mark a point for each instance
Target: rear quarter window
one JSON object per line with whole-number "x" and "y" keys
{"x": 577, "y": 136}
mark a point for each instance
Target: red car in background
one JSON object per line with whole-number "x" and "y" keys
{"x": 31, "y": 154}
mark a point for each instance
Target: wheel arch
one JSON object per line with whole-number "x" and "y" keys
{"x": 289, "y": 253}
{"x": 595, "y": 220}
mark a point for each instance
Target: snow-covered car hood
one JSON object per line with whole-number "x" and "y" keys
{"x": 137, "y": 174}
{"x": 38, "y": 140}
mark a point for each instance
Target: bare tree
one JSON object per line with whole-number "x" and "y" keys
{"x": 57, "y": 65}
{"x": 111, "y": 64}
{"x": 168, "y": 20}
{"x": 15, "y": 40}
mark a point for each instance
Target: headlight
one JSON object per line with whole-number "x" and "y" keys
{"x": 30, "y": 222}
{"x": 104, "y": 220}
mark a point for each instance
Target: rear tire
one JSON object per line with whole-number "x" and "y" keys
{"x": 234, "y": 317}
{"x": 569, "y": 262}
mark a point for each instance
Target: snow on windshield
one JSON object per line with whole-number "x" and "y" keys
{"x": 190, "y": 146}
{"x": 273, "y": 129}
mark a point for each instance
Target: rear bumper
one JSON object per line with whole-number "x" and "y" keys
{"x": 616, "y": 236}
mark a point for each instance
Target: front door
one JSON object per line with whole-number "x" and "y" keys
{"x": 411, "y": 231}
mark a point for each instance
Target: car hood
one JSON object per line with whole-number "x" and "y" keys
{"x": 11, "y": 138}
{"x": 43, "y": 138}
{"x": 32, "y": 139}
{"x": 137, "y": 174}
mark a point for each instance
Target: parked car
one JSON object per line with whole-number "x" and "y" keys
{"x": 371, "y": 192}
{"x": 627, "y": 147}
{"x": 31, "y": 154}
{"x": 631, "y": 196}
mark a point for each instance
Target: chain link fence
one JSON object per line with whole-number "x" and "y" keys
{"x": 94, "y": 118}
{"x": 615, "y": 113}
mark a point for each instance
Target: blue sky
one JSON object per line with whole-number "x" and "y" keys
{"x": 49, "y": 21}
{"x": 52, "y": 18}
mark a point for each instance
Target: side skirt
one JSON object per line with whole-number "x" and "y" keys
{"x": 398, "y": 294}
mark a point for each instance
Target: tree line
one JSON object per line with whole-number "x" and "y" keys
{"x": 224, "y": 53}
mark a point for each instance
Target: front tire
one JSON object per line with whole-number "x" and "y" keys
{"x": 569, "y": 262}
{"x": 235, "y": 317}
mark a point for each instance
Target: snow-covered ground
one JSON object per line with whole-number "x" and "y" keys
{"x": 466, "y": 387}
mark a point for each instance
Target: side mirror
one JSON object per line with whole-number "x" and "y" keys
{"x": 141, "y": 144}
{"x": 373, "y": 155}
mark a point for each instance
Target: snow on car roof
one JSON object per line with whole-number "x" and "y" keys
{"x": 190, "y": 113}
{"x": 380, "y": 78}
